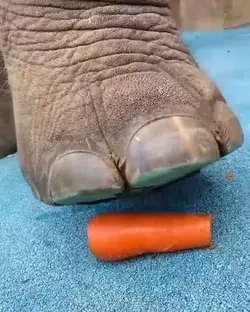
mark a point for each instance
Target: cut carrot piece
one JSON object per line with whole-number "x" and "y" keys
{"x": 119, "y": 236}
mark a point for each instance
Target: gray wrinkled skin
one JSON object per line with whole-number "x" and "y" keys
{"x": 87, "y": 75}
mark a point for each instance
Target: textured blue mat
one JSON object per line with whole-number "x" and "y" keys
{"x": 45, "y": 264}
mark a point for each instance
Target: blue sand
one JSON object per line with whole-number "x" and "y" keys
{"x": 45, "y": 264}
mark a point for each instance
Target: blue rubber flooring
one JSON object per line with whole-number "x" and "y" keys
{"x": 45, "y": 264}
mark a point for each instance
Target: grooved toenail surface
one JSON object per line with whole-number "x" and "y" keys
{"x": 168, "y": 149}
{"x": 82, "y": 177}
{"x": 230, "y": 131}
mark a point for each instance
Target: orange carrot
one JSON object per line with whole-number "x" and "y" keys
{"x": 119, "y": 236}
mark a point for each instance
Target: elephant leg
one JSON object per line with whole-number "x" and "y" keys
{"x": 107, "y": 98}
{"x": 7, "y": 126}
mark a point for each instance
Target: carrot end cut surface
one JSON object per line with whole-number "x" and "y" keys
{"x": 120, "y": 236}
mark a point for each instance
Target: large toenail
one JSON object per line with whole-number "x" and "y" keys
{"x": 168, "y": 149}
{"x": 6, "y": 147}
{"x": 230, "y": 135}
{"x": 82, "y": 177}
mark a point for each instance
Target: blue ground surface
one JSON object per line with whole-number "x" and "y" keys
{"x": 45, "y": 264}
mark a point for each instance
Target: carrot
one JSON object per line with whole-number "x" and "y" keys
{"x": 119, "y": 236}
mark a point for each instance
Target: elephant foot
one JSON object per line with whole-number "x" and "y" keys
{"x": 109, "y": 106}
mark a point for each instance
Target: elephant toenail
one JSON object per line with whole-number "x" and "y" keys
{"x": 6, "y": 147}
{"x": 230, "y": 136}
{"x": 168, "y": 149}
{"x": 80, "y": 177}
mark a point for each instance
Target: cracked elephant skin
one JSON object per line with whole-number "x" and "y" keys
{"x": 107, "y": 99}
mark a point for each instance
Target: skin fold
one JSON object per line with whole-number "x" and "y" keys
{"x": 107, "y": 99}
